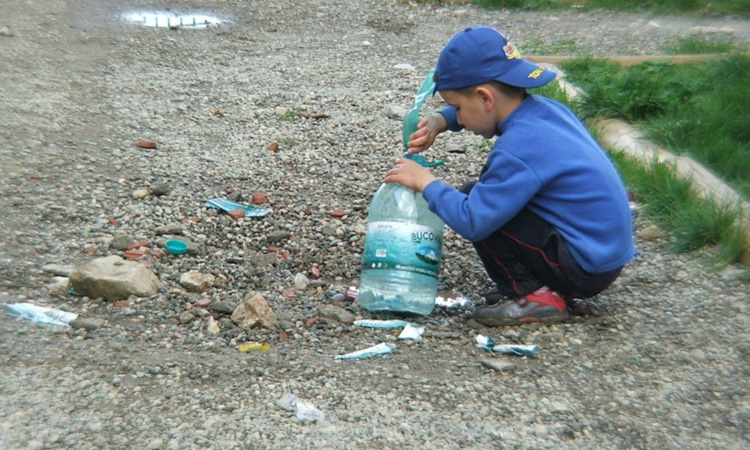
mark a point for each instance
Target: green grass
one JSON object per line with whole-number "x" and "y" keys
{"x": 698, "y": 46}
{"x": 694, "y": 223}
{"x": 718, "y": 7}
{"x": 701, "y": 110}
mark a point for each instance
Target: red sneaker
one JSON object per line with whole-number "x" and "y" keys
{"x": 543, "y": 305}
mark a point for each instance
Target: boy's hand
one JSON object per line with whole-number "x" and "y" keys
{"x": 409, "y": 174}
{"x": 427, "y": 130}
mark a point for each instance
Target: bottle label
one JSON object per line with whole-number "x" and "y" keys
{"x": 399, "y": 246}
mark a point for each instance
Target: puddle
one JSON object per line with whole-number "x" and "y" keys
{"x": 165, "y": 19}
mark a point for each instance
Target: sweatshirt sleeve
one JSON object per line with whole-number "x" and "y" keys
{"x": 449, "y": 113}
{"x": 500, "y": 194}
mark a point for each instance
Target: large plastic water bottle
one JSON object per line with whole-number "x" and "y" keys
{"x": 403, "y": 245}
{"x": 402, "y": 254}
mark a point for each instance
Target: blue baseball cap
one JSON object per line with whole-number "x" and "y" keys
{"x": 477, "y": 55}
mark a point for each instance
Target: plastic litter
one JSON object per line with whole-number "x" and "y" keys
{"x": 306, "y": 412}
{"x": 380, "y": 349}
{"x": 411, "y": 119}
{"x": 228, "y": 205}
{"x": 253, "y": 347}
{"x": 42, "y": 314}
{"x": 451, "y": 302}
{"x": 381, "y": 323}
{"x": 164, "y": 19}
{"x": 176, "y": 247}
{"x": 486, "y": 343}
{"x": 413, "y": 332}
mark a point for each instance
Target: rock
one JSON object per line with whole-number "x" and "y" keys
{"x": 259, "y": 198}
{"x": 59, "y": 286}
{"x": 221, "y": 307}
{"x": 262, "y": 260}
{"x": 405, "y": 67}
{"x": 300, "y": 281}
{"x": 87, "y": 323}
{"x": 58, "y": 269}
{"x": 195, "y": 281}
{"x": 254, "y": 311}
{"x": 168, "y": 229}
{"x": 336, "y": 313}
{"x": 121, "y": 242}
{"x": 236, "y": 214}
{"x": 5, "y": 31}
{"x": 212, "y": 326}
{"x": 650, "y": 233}
{"x": 139, "y": 194}
{"x": 159, "y": 189}
{"x": 558, "y": 407}
{"x": 186, "y": 317}
{"x": 395, "y": 112}
{"x": 278, "y": 236}
{"x": 114, "y": 279}
{"x": 499, "y": 365}
{"x": 35, "y": 445}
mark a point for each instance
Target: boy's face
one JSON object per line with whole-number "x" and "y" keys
{"x": 474, "y": 111}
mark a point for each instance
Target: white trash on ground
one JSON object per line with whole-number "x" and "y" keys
{"x": 42, "y": 314}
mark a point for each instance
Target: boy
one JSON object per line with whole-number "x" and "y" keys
{"x": 549, "y": 216}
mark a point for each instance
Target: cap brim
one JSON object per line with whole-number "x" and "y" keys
{"x": 527, "y": 75}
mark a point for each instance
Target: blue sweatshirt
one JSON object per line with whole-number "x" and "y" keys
{"x": 545, "y": 159}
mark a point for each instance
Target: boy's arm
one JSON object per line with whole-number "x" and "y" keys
{"x": 449, "y": 114}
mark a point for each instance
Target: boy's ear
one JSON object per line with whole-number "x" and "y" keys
{"x": 486, "y": 96}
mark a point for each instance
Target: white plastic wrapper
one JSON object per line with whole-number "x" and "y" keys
{"x": 413, "y": 332}
{"x": 381, "y": 323}
{"x": 486, "y": 343}
{"x": 380, "y": 349}
{"x": 306, "y": 412}
{"x": 42, "y": 314}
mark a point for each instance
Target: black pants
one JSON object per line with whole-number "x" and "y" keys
{"x": 528, "y": 253}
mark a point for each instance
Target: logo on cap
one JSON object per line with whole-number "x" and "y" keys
{"x": 511, "y": 52}
{"x": 535, "y": 74}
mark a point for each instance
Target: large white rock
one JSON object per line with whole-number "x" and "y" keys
{"x": 113, "y": 278}
{"x": 195, "y": 281}
{"x": 253, "y": 311}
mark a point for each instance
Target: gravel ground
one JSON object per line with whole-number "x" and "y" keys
{"x": 296, "y": 103}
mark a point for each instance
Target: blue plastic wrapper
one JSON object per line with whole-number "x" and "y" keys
{"x": 228, "y": 205}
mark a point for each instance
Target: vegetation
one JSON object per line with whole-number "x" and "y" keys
{"x": 739, "y": 7}
{"x": 701, "y": 110}
{"x": 686, "y": 110}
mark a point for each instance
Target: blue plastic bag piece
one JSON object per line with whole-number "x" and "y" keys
{"x": 41, "y": 314}
{"x": 422, "y": 161}
{"x": 380, "y": 349}
{"x": 411, "y": 119}
{"x": 228, "y": 205}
